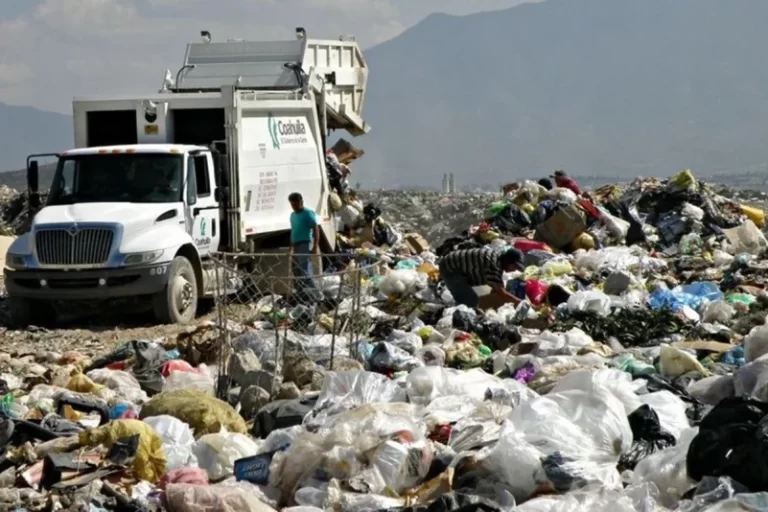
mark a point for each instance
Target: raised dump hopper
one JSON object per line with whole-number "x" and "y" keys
{"x": 336, "y": 68}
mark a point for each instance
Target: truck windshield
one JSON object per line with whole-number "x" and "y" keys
{"x": 121, "y": 178}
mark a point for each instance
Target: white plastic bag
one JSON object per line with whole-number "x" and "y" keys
{"x": 674, "y": 362}
{"x": 408, "y": 341}
{"x": 562, "y": 194}
{"x": 618, "y": 228}
{"x": 747, "y": 238}
{"x": 722, "y": 258}
{"x": 123, "y": 383}
{"x": 217, "y": 453}
{"x": 711, "y": 390}
{"x": 202, "y": 381}
{"x": 350, "y": 216}
{"x": 756, "y": 343}
{"x": 667, "y": 470}
{"x": 670, "y": 409}
{"x": 343, "y": 391}
{"x": 619, "y": 383}
{"x": 566, "y": 344}
{"x": 587, "y": 431}
{"x": 640, "y": 498}
{"x": 692, "y": 212}
{"x": 402, "y": 282}
{"x": 718, "y": 312}
{"x": 431, "y": 382}
{"x": 752, "y": 379}
{"x": 591, "y": 300}
{"x": 177, "y": 438}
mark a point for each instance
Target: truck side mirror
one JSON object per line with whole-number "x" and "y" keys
{"x": 221, "y": 194}
{"x": 223, "y": 169}
{"x": 33, "y": 184}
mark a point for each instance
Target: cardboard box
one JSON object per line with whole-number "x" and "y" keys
{"x": 563, "y": 227}
{"x": 416, "y": 243}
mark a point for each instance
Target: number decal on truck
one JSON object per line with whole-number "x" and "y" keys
{"x": 158, "y": 271}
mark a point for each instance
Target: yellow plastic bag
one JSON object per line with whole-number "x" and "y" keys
{"x": 80, "y": 383}
{"x": 683, "y": 180}
{"x": 756, "y": 215}
{"x": 149, "y": 463}
{"x": 583, "y": 241}
{"x": 204, "y": 413}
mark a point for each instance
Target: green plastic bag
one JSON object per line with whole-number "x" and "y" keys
{"x": 632, "y": 366}
{"x": 497, "y": 207}
{"x": 741, "y": 298}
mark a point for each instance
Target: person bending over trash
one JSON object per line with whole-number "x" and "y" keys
{"x": 464, "y": 269}
{"x": 305, "y": 235}
{"x": 562, "y": 180}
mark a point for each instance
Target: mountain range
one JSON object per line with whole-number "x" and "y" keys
{"x": 597, "y": 87}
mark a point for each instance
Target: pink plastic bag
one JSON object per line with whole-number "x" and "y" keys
{"x": 177, "y": 365}
{"x": 525, "y": 245}
{"x": 536, "y": 291}
{"x": 191, "y": 476}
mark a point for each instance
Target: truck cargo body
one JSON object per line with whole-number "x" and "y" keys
{"x": 276, "y": 147}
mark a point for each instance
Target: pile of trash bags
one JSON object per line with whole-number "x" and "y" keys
{"x": 632, "y": 376}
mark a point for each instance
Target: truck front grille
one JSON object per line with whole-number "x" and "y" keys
{"x": 88, "y": 246}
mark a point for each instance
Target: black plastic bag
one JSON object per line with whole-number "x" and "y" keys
{"x": 694, "y": 409}
{"x": 120, "y": 354}
{"x": 454, "y": 244}
{"x": 495, "y": 335}
{"x": 648, "y": 437}
{"x": 462, "y": 321}
{"x": 511, "y": 219}
{"x": 282, "y": 414}
{"x": 732, "y": 441}
{"x": 371, "y": 212}
{"x": 383, "y": 328}
{"x": 149, "y": 360}
{"x": 556, "y": 467}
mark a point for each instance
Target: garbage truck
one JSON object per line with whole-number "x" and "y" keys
{"x": 157, "y": 185}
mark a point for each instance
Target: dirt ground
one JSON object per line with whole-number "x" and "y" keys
{"x": 98, "y": 334}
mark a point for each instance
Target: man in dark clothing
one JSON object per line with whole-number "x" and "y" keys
{"x": 462, "y": 270}
{"x": 564, "y": 181}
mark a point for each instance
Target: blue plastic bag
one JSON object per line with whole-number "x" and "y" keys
{"x": 692, "y": 295}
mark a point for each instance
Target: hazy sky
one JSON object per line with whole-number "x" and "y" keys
{"x": 52, "y": 50}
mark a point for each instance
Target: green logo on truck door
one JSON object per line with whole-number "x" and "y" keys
{"x": 204, "y": 240}
{"x": 272, "y": 125}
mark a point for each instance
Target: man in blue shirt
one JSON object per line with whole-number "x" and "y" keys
{"x": 305, "y": 235}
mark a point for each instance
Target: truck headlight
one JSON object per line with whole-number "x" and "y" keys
{"x": 15, "y": 261}
{"x": 139, "y": 258}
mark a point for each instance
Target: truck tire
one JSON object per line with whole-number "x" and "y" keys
{"x": 25, "y": 312}
{"x": 177, "y": 303}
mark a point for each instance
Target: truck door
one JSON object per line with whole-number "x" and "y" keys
{"x": 203, "y": 209}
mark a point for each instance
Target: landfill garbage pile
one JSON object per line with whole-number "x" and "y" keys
{"x": 631, "y": 376}
{"x": 434, "y": 215}
{"x": 14, "y": 211}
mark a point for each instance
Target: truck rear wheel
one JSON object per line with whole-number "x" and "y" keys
{"x": 25, "y": 312}
{"x": 177, "y": 303}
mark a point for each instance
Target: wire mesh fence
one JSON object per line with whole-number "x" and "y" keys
{"x": 295, "y": 312}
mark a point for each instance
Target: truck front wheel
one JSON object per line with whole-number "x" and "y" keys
{"x": 177, "y": 303}
{"x": 25, "y": 312}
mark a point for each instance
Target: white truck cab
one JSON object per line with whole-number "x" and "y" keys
{"x": 160, "y": 182}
